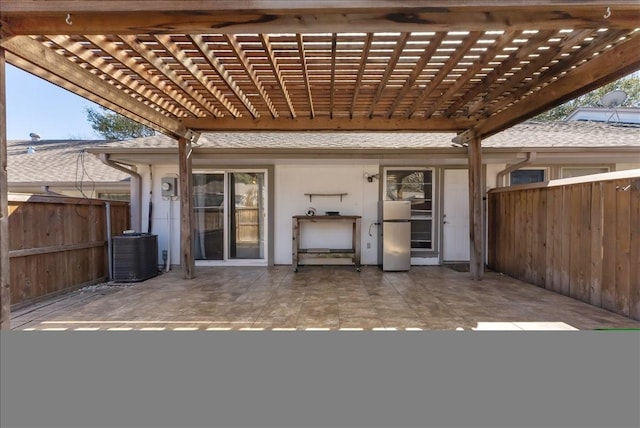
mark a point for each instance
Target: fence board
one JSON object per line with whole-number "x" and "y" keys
{"x": 557, "y": 237}
{"x": 581, "y": 247}
{"x": 609, "y": 246}
{"x": 565, "y": 255}
{"x": 623, "y": 235}
{"x": 517, "y": 267}
{"x": 580, "y": 239}
{"x": 58, "y": 244}
{"x": 529, "y": 237}
{"x": 541, "y": 231}
{"x": 634, "y": 255}
{"x": 549, "y": 250}
{"x": 595, "y": 274}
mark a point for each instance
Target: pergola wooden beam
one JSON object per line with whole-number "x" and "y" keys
{"x": 332, "y": 88}
{"x": 460, "y": 52}
{"x": 417, "y": 70}
{"x": 190, "y": 66}
{"x": 248, "y": 68}
{"x": 210, "y": 56}
{"x": 155, "y": 61}
{"x": 146, "y": 53}
{"x": 301, "y": 124}
{"x": 514, "y": 59}
{"x": 154, "y": 80}
{"x": 589, "y": 76}
{"x": 271, "y": 57}
{"x": 116, "y": 74}
{"x": 185, "y": 162}
{"x": 305, "y": 73}
{"x": 5, "y": 290}
{"x": 38, "y": 59}
{"x": 361, "y": 69}
{"x": 549, "y": 74}
{"x": 502, "y": 41}
{"x": 21, "y": 17}
{"x": 391, "y": 65}
{"x": 476, "y": 191}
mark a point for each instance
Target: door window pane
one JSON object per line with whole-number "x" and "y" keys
{"x": 208, "y": 208}
{"x": 415, "y": 186}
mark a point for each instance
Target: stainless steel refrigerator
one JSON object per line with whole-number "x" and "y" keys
{"x": 395, "y": 240}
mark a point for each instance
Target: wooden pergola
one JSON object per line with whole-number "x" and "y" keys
{"x": 473, "y": 67}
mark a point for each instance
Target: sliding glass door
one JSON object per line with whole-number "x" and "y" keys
{"x": 230, "y": 214}
{"x": 246, "y": 215}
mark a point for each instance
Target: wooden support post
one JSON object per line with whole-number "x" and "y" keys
{"x": 186, "y": 208}
{"x": 476, "y": 234}
{"x": 5, "y": 292}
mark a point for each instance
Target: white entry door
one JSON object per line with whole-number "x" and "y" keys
{"x": 456, "y": 216}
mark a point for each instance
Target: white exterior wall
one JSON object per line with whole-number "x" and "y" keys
{"x": 492, "y": 174}
{"x": 165, "y": 215}
{"x": 291, "y": 184}
{"x": 626, "y": 166}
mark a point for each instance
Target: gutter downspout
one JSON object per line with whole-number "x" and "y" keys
{"x": 136, "y": 191}
{"x": 531, "y": 156}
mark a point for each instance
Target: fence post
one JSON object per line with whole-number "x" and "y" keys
{"x": 107, "y": 206}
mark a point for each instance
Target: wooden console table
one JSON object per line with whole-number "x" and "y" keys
{"x": 353, "y": 253}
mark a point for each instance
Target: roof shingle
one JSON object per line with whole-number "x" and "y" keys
{"x": 528, "y": 134}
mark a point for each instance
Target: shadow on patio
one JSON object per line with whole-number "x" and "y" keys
{"x": 317, "y": 298}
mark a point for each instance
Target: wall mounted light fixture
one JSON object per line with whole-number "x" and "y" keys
{"x": 370, "y": 177}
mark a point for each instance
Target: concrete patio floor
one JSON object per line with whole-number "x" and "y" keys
{"x": 316, "y": 298}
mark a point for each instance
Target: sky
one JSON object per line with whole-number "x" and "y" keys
{"x": 35, "y": 105}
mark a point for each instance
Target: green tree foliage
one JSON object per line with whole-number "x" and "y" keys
{"x": 630, "y": 84}
{"x": 113, "y": 126}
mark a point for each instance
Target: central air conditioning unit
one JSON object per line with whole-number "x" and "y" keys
{"x": 135, "y": 257}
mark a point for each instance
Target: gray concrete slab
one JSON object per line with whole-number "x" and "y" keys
{"x": 316, "y": 298}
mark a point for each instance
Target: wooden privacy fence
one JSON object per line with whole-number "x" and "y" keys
{"x": 579, "y": 237}
{"x": 59, "y": 243}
